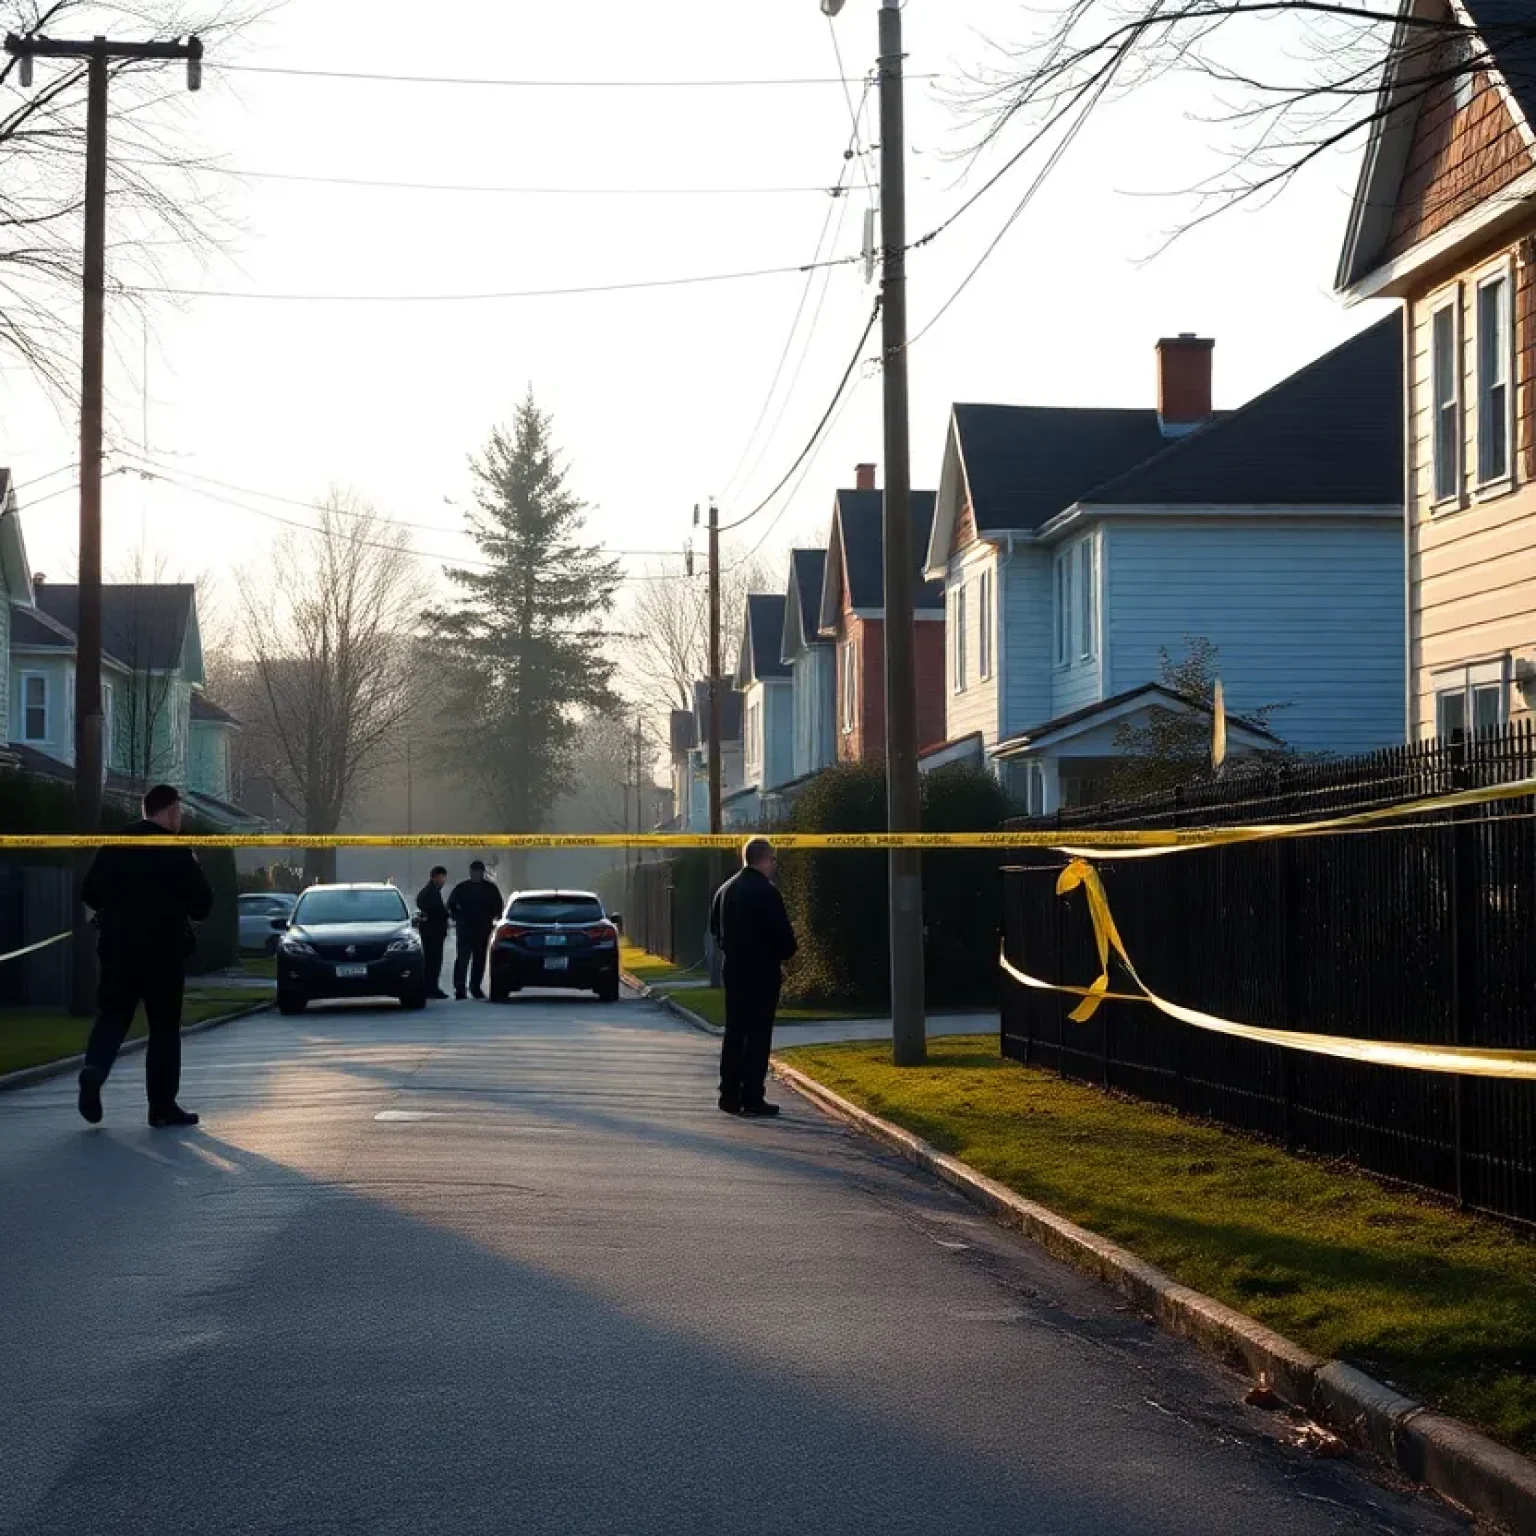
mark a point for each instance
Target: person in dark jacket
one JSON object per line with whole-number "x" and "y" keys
{"x": 434, "y": 930}
{"x": 749, "y": 923}
{"x": 146, "y": 901}
{"x": 475, "y": 906}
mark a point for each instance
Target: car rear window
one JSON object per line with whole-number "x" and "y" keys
{"x": 553, "y": 911}
{"x": 320, "y": 907}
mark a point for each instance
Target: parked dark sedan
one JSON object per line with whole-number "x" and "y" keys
{"x": 349, "y": 941}
{"x": 555, "y": 939}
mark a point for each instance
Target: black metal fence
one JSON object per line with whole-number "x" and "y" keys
{"x": 1424, "y": 933}
{"x": 666, "y": 908}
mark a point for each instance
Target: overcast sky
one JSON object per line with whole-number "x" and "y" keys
{"x": 655, "y": 393}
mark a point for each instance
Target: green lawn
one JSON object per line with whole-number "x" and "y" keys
{"x": 646, "y": 967}
{"x": 260, "y": 965}
{"x": 1441, "y": 1304}
{"x": 29, "y": 1036}
{"x": 709, "y": 1004}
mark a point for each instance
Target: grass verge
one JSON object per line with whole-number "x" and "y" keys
{"x": 709, "y": 1004}
{"x": 259, "y": 965}
{"x": 31, "y": 1036}
{"x": 646, "y": 967}
{"x": 1440, "y": 1304}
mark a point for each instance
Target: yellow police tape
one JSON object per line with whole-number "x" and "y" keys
{"x": 1468, "y": 1061}
{"x": 1106, "y": 843}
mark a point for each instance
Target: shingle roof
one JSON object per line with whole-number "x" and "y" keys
{"x": 1509, "y": 31}
{"x": 861, "y": 518}
{"x": 1330, "y": 435}
{"x": 765, "y": 634}
{"x": 143, "y": 625}
{"x": 1155, "y": 694}
{"x": 807, "y": 568}
{"x": 31, "y": 628}
{"x": 1026, "y": 463}
{"x": 730, "y": 712}
{"x": 204, "y": 708}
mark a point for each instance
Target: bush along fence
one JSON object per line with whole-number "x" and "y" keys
{"x": 1422, "y": 932}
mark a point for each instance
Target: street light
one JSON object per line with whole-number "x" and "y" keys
{"x": 903, "y": 794}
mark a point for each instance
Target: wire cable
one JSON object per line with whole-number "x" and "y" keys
{"x": 294, "y": 72}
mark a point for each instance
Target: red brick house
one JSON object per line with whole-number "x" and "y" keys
{"x": 853, "y": 616}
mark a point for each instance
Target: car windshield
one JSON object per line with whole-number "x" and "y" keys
{"x": 554, "y": 909}
{"x": 320, "y": 907}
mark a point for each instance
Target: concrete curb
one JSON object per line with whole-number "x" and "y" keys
{"x": 664, "y": 1000}
{"x": 1460, "y": 1464}
{"x": 47, "y": 1069}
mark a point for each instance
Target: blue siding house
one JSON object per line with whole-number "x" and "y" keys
{"x": 812, "y": 663}
{"x": 766, "y": 687}
{"x": 1077, "y": 545}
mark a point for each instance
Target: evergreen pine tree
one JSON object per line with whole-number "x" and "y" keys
{"x": 520, "y": 645}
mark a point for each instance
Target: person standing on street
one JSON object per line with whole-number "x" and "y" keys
{"x": 474, "y": 906}
{"x": 434, "y": 930}
{"x": 145, "y": 901}
{"x": 749, "y": 923}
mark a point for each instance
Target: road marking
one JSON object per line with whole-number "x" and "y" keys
{"x": 396, "y": 1115}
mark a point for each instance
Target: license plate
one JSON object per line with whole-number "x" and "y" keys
{"x": 351, "y": 972}
{"x": 558, "y": 963}
{"x": 554, "y": 940}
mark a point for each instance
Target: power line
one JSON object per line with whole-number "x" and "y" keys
{"x": 375, "y": 184}
{"x": 475, "y": 298}
{"x": 524, "y": 84}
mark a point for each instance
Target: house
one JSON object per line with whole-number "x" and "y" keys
{"x": 1444, "y": 219}
{"x": 767, "y": 693}
{"x": 852, "y": 616}
{"x": 1076, "y": 545}
{"x": 812, "y": 662}
{"x": 690, "y": 740}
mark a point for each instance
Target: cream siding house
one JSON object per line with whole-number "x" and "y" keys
{"x": 1445, "y": 220}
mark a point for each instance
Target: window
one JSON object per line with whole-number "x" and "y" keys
{"x": 108, "y": 719}
{"x": 1494, "y": 397}
{"x": 848, "y": 685}
{"x": 754, "y": 736}
{"x": 957, "y": 644}
{"x": 1473, "y": 698}
{"x": 321, "y": 907}
{"x": 984, "y": 622}
{"x": 1088, "y": 589}
{"x": 1447, "y": 403}
{"x": 1064, "y": 608}
{"x": 34, "y": 707}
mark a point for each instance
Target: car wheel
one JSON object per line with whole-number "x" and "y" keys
{"x": 291, "y": 1003}
{"x": 500, "y": 993}
{"x": 609, "y": 991}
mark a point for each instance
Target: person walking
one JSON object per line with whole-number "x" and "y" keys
{"x": 145, "y": 901}
{"x": 474, "y": 906}
{"x": 434, "y": 931}
{"x": 749, "y": 923}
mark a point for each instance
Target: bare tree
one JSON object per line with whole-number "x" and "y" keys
{"x": 146, "y": 638}
{"x": 328, "y": 621}
{"x": 156, "y": 197}
{"x": 1288, "y": 80}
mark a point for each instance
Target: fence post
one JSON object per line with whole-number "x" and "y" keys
{"x": 1058, "y": 970}
{"x": 1180, "y": 1030}
{"x": 1286, "y": 851}
{"x": 1466, "y": 900}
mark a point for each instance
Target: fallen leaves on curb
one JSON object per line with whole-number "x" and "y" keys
{"x": 1317, "y": 1441}
{"x": 1262, "y": 1395}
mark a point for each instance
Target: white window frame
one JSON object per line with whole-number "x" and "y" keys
{"x": 47, "y": 737}
{"x": 957, "y": 649}
{"x": 848, "y": 689}
{"x": 108, "y": 724}
{"x": 1088, "y": 597}
{"x": 1446, "y": 482}
{"x": 1468, "y": 682}
{"x": 1502, "y": 273}
{"x": 985, "y": 624}
{"x": 1064, "y": 611}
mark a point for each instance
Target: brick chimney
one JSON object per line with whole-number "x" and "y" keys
{"x": 864, "y": 477}
{"x": 1183, "y": 382}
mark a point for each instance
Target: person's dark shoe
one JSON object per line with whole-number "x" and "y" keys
{"x": 90, "y": 1097}
{"x": 760, "y": 1111}
{"x": 477, "y": 994}
{"x": 461, "y": 997}
{"x": 171, "y": 1117}
{"x": 729, "y": 1106}
{"x": 439, "y": 996}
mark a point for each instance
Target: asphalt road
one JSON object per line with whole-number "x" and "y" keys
{"x": 492, "y": 1270}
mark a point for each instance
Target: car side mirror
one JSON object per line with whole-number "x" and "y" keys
{"x": 617, "y": 920}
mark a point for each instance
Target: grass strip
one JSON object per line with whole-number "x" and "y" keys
{"x": 1438, "y": 1303}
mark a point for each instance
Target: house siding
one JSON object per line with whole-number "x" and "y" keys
{"x": 867, "y": 738}
{"x": 814, "y": 707}
{"x": 866, "y": 725}
{"x": 1025, "y": 585}
{"x": 1305, "y": 612}
{"x": 208, "y": 758}
{"x": 59, "y": 669}
{"x": 5, "y": 670}
{"x": 974, "y": 706}
{"x": 779, "y": 733}
{"x": 1471, "y": 561}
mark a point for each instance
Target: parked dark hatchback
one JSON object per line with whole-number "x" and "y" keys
{"x": 555, "y": 939}
{"x": 349, "y": 941}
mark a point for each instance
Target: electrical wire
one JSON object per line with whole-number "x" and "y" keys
{"x": 524, "y": 84}
{"x": 373, "y": 184}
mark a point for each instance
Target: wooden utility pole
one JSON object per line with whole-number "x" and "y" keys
{"x": 99, "y": 54}
{"x": 716, "y": 815}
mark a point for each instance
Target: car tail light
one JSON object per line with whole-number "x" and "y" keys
{"x": 601, "y": 931}
{"x": 511, "y": 931}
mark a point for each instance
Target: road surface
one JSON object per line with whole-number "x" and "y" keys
{"x": 507, "y": 1269}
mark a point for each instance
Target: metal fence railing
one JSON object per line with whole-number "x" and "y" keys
{"x": 1424, "y": 932}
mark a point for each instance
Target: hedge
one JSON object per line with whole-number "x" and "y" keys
{"x": 838, "y": 901}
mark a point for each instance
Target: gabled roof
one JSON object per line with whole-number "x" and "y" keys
{"x": 29, "y": 627}
{"x": 856, "y": 552}
{"x": 146, "y": 626}
{"x": 762, "y": 636}
{"x": 203, "y": 708}
{"x": 730, "y": 712}
{"x": 15, "y": 572}
{"x": 1415, "y": 81}
{"x": 685, "y": 732}
{"x": 1330, "y": 435}
{"x": 802, "y": 602}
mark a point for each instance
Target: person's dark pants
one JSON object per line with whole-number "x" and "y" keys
{"x": 432, "y": 957}
{"x": 750, "y": 1005}
{"x": 470, "y": 959}
{"x": 126, "y": 981}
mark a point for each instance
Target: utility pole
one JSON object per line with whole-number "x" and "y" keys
{"x": 99, "y": 54}
{"x": 903, "y": 792}
{"x": 716, "y": 819}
